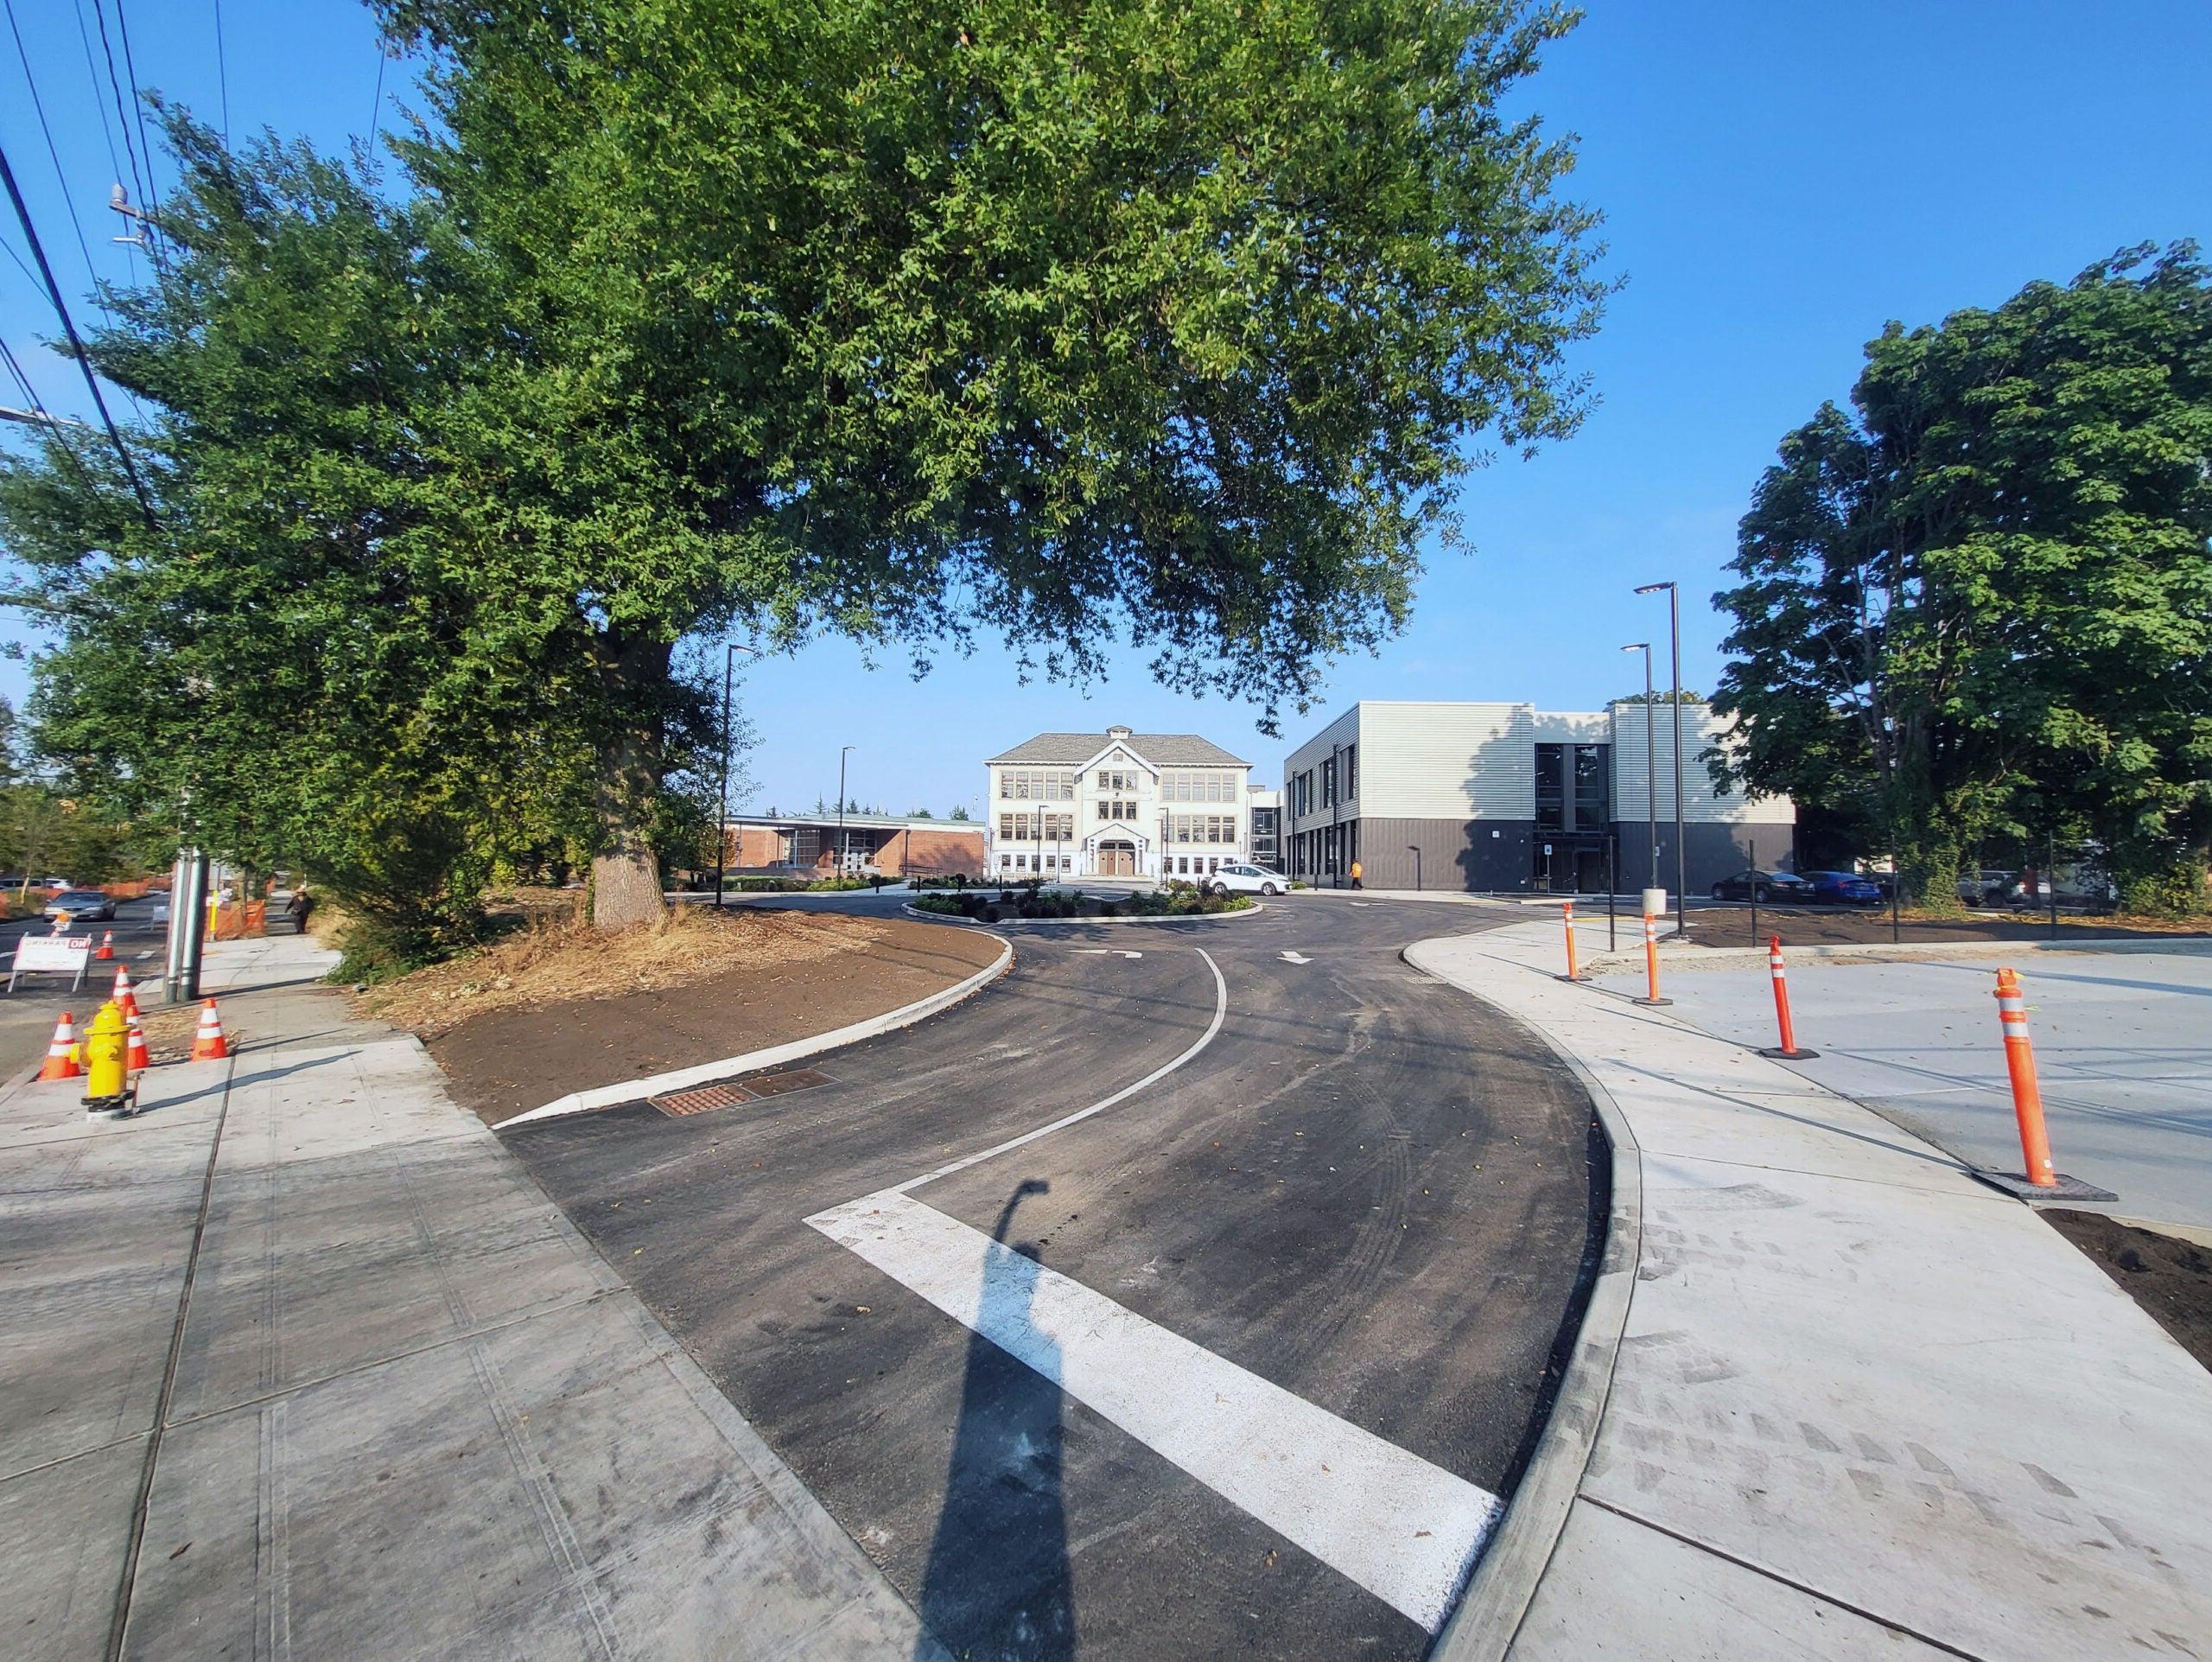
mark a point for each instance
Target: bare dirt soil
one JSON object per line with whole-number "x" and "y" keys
{"x": 561, "y": 1008}
{"x": 2170, "y": 1278}
{"x": 1823, "y": 925}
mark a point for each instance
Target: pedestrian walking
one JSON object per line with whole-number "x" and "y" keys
{"x": 1356, "y": 871}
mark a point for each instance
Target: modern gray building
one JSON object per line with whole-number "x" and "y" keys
{"x": 1505, "y": 798}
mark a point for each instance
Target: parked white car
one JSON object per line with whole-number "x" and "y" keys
{"x": 1236, "y": 879}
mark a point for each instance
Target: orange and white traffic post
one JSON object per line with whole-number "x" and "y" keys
{"x": 1573, "y": 969}
{"x": 208, "y": 1044}
{"x": 1787, "y": 1050}
{"x": 61, "y": 1053}
{"x": 2027, "y": 1095}
{"x": 2040, "y": 1182}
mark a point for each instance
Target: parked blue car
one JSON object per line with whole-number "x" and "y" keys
{"x": 1844, "y": 889}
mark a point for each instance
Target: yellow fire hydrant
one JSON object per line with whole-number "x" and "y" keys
{"x": 108, "y": 1094}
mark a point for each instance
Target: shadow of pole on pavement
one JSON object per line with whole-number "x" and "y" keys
{"x": 997, "y": 1581}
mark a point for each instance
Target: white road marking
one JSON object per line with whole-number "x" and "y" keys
{"x": 1107, "y": 951}
{"x": 1296, "y": 958}
{"x": 1367, "y": 902}
{"x": 1403, "y": 1529}
{"x": 1220, "y": 1013}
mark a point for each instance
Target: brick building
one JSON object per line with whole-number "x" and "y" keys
{"x": 808, "y": 844}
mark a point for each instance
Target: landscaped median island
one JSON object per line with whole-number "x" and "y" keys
{"x": 984, "y": 905}
{"x": 560, "y": 1008}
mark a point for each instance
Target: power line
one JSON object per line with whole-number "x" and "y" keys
{"x": 376, "y": 102}
{"x": 76, "y": 345}
{"x": 122, "y": 119}
{"x": 222, "y": 75}
{"x": 138, "y": 110}
{"x": 61, "y": 178}
{"x": 91, "y": 71}
{"x": 56, "y": 428}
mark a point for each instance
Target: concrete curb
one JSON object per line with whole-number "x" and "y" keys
{"x": 1251, "y": 911}
{"x": 606, "y": 1096}
{"x": 1694, "y": 958}
{"x": 1489, "y": 1616}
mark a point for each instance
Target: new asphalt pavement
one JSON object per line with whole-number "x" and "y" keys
{"x": 1193, "y": 1290}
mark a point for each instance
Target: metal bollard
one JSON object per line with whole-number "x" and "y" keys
{"x": 1787, "y": 1050}
{"x": 1651, "y": 961}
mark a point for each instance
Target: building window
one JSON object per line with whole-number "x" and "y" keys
{"x": 1551, "y": 787}
{"x": 1329, "y": 783}
{"x": 1118, "y": 810}
{"x": 1352, "y": 772}
{"x": 1593, "y": 808}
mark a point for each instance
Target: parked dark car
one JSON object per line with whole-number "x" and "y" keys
{"x": 1844, "y": 889}
{"x": 1763, "y": 886}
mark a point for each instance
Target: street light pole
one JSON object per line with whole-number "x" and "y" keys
{"x": 730, "y": 650}
{"x": 1682, "y": 854}
{"x": 847, "y": 751}
{"x": 1650, "y": 764}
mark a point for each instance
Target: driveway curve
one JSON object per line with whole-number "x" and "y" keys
{"x": 1184, "y": 1292}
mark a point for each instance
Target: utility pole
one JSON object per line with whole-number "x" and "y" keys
{"x": 842, "y": 754}
{"x": 1681, "y": 858}
{"x": 730, "y": 650}
{"x": 1650, "y": 764}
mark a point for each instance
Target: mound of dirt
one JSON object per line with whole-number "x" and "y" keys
{"x": 561, "y": 1008}
{"x": 563, "y": 958}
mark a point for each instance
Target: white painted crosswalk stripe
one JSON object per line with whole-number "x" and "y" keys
{"x": 1403, "y": 1529}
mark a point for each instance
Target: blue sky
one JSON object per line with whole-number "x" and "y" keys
{"x": 1778, "y": 180}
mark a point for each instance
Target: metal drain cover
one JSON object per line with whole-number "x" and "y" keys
{"x": 679, "y": 1103}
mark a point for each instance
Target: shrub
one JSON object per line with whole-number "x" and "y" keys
{"x": 990, "y": 914}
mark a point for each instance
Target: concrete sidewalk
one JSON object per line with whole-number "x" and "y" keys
{"x": 1860, "y": 1405}
{"x": 298, "y": 1361}
{"x": 2123, "y": 1048}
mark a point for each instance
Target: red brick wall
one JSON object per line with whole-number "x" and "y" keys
{"x": 753, "y": 846}
{"x": 932, "y": 853}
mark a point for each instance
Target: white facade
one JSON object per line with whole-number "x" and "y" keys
{"x": 1500, "y": 796}
{"x": 1116, "y": 803}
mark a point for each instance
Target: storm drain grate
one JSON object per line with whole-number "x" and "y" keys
{"x": 678, "y": 1103}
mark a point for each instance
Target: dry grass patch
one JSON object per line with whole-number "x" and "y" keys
{"x": 561, "y": 959}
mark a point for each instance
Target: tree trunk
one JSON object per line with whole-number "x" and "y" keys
{"x": 624, "y": 876}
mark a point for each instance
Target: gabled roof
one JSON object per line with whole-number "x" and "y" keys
{"x": 1160, "y": 749}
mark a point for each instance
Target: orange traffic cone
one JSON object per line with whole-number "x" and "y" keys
{"x": 138, "y": 1057}
{"x": 107, "y": 944}
{"x": 61, "y": 1053}
{"x": 208, "y": 1044}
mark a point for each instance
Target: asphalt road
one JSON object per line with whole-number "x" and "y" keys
{"x": 27, "y": 1015}
{"x": 1235, "y": 1365}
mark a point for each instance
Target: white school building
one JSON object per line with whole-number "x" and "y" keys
{"x": 1118, "y": 804}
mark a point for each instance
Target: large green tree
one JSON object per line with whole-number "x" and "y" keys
{"x": 1077, "y": 323}
{"x": 1982, "y": 603}
{"x": 1083, "y": 325}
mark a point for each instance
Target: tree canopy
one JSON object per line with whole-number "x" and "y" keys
{"x": 1982, "y": 604}
{"x": 1075, "y": 325}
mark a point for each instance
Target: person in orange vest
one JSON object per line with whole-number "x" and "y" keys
{"x": 1355, "y": 874}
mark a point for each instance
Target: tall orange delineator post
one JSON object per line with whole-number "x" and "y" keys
{"x": 1573, "y": 970}
{"x": 2040, "y": 1182}
{"x": 1651, "y": 959}
{"x": 1787, "y": 1050}
{"x": 2027, "y": 1096}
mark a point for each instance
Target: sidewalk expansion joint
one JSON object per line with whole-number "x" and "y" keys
{"x": 1780, "y": 1580}
{"x": 1990, "y": 1197}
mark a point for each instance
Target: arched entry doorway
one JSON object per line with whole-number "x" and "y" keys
{"x": 1117, "y": 859}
